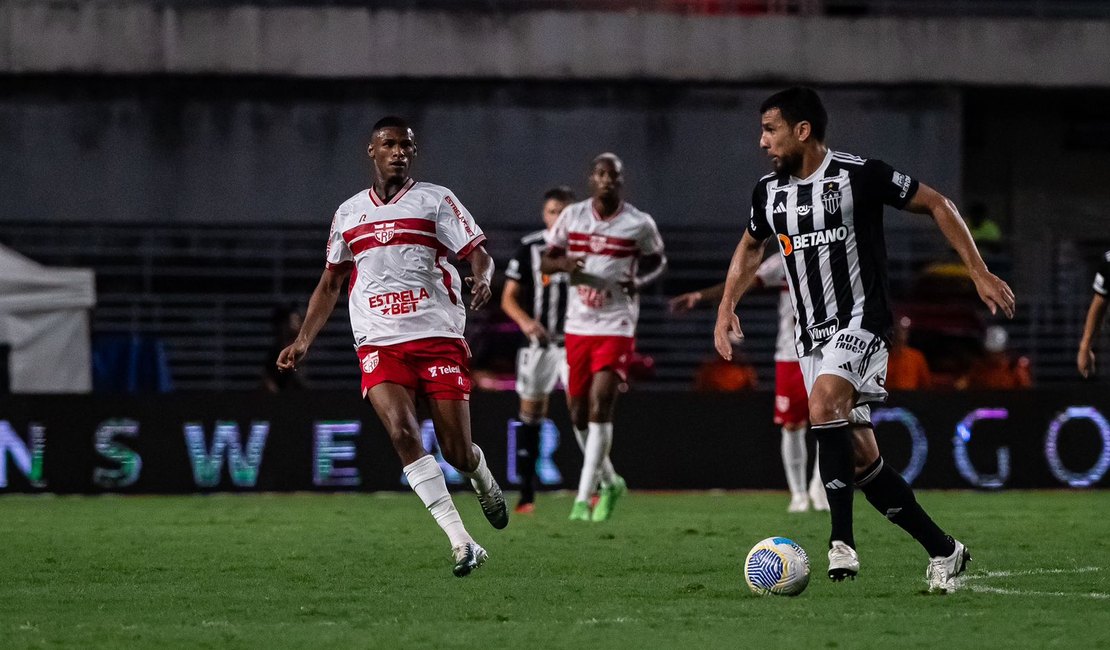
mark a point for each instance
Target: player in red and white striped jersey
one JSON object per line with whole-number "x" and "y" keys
{"x": 611, "y": 250}
{"x": 407, "y": 315}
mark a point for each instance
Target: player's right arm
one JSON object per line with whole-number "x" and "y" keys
{"x": 555, "y": 258}
{"x": 1097, "y": 311}
{"x": 510, "y": 304}
{"x": 320, "y": 307}
{"x": 741, "y": 275}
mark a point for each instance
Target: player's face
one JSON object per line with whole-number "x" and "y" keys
{"x": 552, "y": 208}
{"x": 780, "y": 142}
{"x": 393, "y": 150}
{"x": 606, "y": 179}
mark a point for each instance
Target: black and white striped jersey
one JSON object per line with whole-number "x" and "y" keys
{"x": 1102, "y": 276}
{"x": 546, "y": 293}
{"x": 830, "y": 234}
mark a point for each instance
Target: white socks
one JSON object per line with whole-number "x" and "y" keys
{"x": 598, "y": 441}
{"x": 794, "y": 460}
{"x": 605, "y": 472}
{"x": 480, "y": 479}
{"x": 426, "y": 479}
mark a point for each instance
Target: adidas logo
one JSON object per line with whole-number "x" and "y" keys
{"x": 847, "y": 365}
{"x": 780, "y": 208}
{"x": 835, "y": 484}
{"x": 891, "y": 513}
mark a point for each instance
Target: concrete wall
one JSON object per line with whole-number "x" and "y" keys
{"x": 129, "y": 37}
{"x": 234, "y": 151}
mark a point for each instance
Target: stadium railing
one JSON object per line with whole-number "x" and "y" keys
{"x": 207, "y": 294}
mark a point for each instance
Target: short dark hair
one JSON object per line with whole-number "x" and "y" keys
{"x": 799, "y": 104}
{"x": 562, "y": 194}
{"x": 388, "y": 121}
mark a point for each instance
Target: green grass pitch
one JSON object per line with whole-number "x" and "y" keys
{"x": 373, "y": 571}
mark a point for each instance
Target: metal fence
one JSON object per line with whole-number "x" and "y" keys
{"x": 1038, "y": 9}
{"x": 207, "y": 295}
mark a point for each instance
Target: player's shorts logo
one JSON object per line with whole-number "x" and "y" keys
{"x": 369, "y": 362}
{"x": 597, "y": 243}
{"x": 830, "y": 197}
{"x": 383, "y": 232}
{"x": 824, "y": 330}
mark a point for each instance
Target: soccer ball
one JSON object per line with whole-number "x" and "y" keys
{"x": 777, "y": 565}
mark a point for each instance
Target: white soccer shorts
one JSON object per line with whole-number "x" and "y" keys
{"x": 859, "y": 357}
{"x": 537, "y": 368}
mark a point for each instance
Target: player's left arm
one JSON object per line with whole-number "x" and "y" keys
{"x": 993, "y": 291}
{"x": 481, "y": 265}
{"x": 652, "y": 266}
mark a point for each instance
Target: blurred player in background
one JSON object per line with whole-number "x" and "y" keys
{"x": 825, "y": 210}
{"x": 611, "y": 250}
{"x": 1095, "y": 314}
{"x": 408, "y": 316}
{"x": 544, "y": 359}
{"x": 791, "y": 401}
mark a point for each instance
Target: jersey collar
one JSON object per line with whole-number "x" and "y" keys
{"x": 817, "y": 173}
{"x": 396, "y": 197}
{"x": 593, "y": 210}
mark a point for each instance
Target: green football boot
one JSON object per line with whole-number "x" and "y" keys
{"x": 609, "y": 496}
{"x": 580, "y": 511}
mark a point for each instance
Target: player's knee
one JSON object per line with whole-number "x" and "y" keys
{"x": 403, "y": 437}
{"x": 823, "y": 412}
{"x": 459, "y": 456}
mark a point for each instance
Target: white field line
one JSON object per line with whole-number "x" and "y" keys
{"x": 1029, "y": 572}
{"x": 983, "y": 589}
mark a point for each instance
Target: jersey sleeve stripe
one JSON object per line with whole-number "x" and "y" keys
{"x": 342, "y": 266}
{"x": 469, "y": 248}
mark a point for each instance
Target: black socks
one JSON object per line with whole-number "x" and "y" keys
{"x": 838, "y": 472}
{"x": 892, "y": 496}
{"x": 527, "y": 453}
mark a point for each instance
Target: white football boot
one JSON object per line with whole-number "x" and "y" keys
{"x": 798, "y": 503}
{"x": 468, "y": 556}
{"x": 843, "y": 561}
{"x": 943, "y": 572}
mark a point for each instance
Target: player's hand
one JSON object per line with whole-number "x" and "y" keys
{"x": 1086, "y": 362}
{"x": 994, "y": 293}
{"x": 289, "y": 357}
{"x": 684, "y": 303}
{"x": 533, "y": 330}
{"x": 726, "y": 334}
{"x": 480, "y": 290}
{"x": 570, "y": 264}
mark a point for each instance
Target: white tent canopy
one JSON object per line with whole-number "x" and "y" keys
{"x": 44, "y": 317}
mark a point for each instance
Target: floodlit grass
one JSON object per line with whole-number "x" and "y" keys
{"x": 374, "y": 571}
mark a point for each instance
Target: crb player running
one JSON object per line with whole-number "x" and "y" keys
{"x": 825, "y": 208}
{"x": 408, "y": 316}
{"x": 537, "y": 303}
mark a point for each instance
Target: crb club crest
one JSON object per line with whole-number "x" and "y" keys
{"x": 383, "y": 232}
{"x": 369, "y": 362}
{"x": 830, "y": 197}
{"x": 597, "y": 243}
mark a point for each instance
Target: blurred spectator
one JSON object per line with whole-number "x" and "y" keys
{"x": 984, "y": 230}
{"x": 286, "y": 323}
{"x": 906, "y": 368}
{"x": 997, "y": 369}
{"x": 717, "y": 375}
